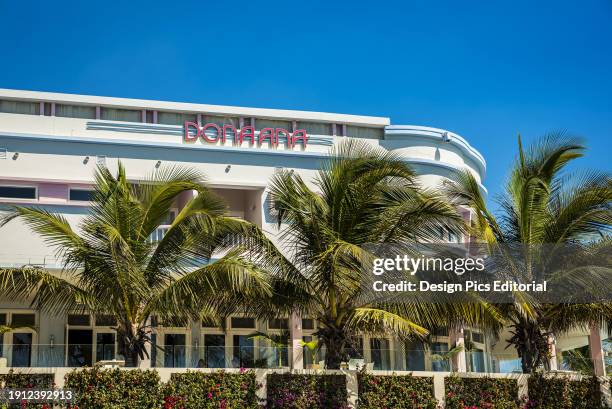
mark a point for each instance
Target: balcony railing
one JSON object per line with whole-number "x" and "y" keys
{"x": 251, "y": 355}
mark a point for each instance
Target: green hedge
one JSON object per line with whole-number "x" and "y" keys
{"x": 18, "y": 380}
{"x": 481, "y": 393}
{"x": 195, "y": 390}
{"x": 306, "y": 391}
{"x": 396, "y": 391}
{"x": 560, "y": 392}
{"x": 115, "y": 389}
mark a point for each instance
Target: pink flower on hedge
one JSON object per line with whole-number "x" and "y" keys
{"x": 210, "y": 395}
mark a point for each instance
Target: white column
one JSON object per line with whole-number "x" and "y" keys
{"x": 552, "y": 349}
{"x": 297, "y": 352}
{"x": 597, "y": 355}
{"x": 457, "y": 338}
{"x": 146, "y": 362}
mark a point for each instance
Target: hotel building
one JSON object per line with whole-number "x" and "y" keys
{"x": 50, "y": 144}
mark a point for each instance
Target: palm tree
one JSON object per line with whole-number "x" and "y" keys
{"x": 362, "y": 195}
{"x": 544, "y": 206}
{"x": 112, "y": 267}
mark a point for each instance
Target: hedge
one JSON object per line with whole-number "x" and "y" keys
{"x": 18, "y": 380}
{"x": 115, "y": 389}
{"x": 295, "y": 391}
{"x": 396, "y": 391}
{"x": 561, "y": 392}
{"x": 195, "y": 390}
{"x": 481, "y": 393}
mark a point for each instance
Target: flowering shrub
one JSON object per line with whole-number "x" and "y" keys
{"x": 115, "y": 389}
{"x": 306, "y": 391}
{"x": 562, "y": 393}
{"x": 18, "y": 380}
{"x": 397, "y": 392}
{"x": 481, "y": 393}
{"x": 219, "y": 390}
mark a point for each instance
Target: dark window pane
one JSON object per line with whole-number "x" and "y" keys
{"x": 105, "y": 346}
{"x": 78, "y": 319}
{"x": 22, "y": 349}
{"x": 2, "y": 319}
{"x": 23, "y": 319}
{"x": 278, "y": 323}
{"x": 307, "y": 323}
{"x": 214, "y": 350}
{"x": 244, "y": 352}
{"x": 18, "y": 192}
{"x": 243, "y": 322}
{"x": 174, "y": 351}
{"x": 106, "y": 320}
{"x": 478, "y": 337}
{"x": 82, "y": 195}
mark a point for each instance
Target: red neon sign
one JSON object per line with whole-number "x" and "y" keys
{"x": 270, "y": 135}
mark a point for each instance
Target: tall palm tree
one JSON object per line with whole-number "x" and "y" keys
{"x": 362, "y": 195}
{"x": 544, "y": 206}
{"x": 111, "y": 266}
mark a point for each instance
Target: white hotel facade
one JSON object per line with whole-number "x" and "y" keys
{"x": 50, "y": 144}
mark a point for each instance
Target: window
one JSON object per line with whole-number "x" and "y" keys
{"x": 149, "y": 117}
{"x": 175, "y": 351}
{"x": 278, "y": 323}
{"x": 364, "y": 132}
{"x": 214, "y": 351}
{"x": 20, "y": 107}
{"x": 3, "y": 319}
{"x": 78, "y": 319}
{"x": 18, "y": 192}
{"x": 175, "y": 118}
{"x": 243, "y": 322}
{"x": 22, "y": 349}
{"x": 81, "y": 195}
{"x": 105, "y": 321}
{"x": 220, "y": 120}
{"x": 243, "y": 355}
{"x": 3, "y": 153}
{"x": 308, "y": 323}
{"x": 381, "y": 353}
{"x": 415, "y": 356}
{"x": 75, "y": 111}
{"x": 23, "y": 320}
{"x": 125, "y": 115}
{"x": 269, "y": 123}
{"x": 478, "y": 337}
{"x": 105, "y": 346}
{"x": 315, "y": 128}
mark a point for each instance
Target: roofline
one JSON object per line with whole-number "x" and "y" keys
{"x": 362, "y": 120}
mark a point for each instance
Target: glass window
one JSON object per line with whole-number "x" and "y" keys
{"x": 3, "y": 319}
{"x": 315, "y": 128}
{"x": 476, "y": 361}
{"x": 18, "y": 192}
{"x": 278, "y": 323}
{"x": 174, "y": 350}
{"x": 415, "y": 356}
{"x": 439, "y": 362}
{"x": 269, "y": 123}
{"x": 105, "y": 321}
{"x": 381, "y": 353}
{"x": 220, "y": 120}
{"x": 125, "y": 115}
{"x": 364, "y": 132}
{"x": 105, "y": 346}
{"x": 23, "y": 319}
{"x": 308, "y": 323}
{"x": 478, "y": 337}
{"x": 78, "y": 319}
{"x": 149, "y": 116}
{"x": 355, "y": 349}
{"x": 243, "y": 322}
{"x": 214, "y": 351}
{"x": 83, "y": 195}
{"x": 175, "y": 118}
{"x": 22, "y": 349}
{"x": 243, "y": 355}
{"x": 20, "y": 107}
{"x": 75, "y": 111}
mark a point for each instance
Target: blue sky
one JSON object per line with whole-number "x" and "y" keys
{"x": 486, "y": 70}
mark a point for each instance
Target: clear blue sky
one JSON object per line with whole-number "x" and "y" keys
{"x": 486, "y": 70}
